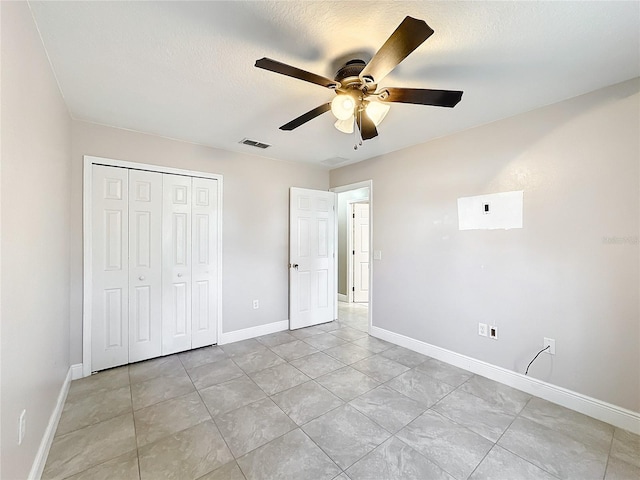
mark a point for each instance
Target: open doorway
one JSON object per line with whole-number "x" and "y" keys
{"x": 354, "y": 274}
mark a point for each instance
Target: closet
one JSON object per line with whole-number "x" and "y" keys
{"x": 154, "y": 264}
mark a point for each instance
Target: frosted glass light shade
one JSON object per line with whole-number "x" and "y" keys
{"x": 342, "y": 106}
{"x": 376, "y": 111}
{"x": 345, "y": 126}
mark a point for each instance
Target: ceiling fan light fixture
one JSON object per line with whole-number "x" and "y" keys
{"x": 343, "y": 106}
{"x": 376, "y": 111}
{"x": 345, "y": 126}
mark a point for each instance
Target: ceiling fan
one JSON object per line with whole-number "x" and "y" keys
{"x": 358, "y": 99}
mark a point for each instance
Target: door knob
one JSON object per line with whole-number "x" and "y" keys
{"x": 179, "y": 274}
{"x": 141, "y": 277}
{"x": 295, "y": 265}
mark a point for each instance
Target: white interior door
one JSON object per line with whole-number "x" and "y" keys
{"x": 204, "y": 265}
{"x": 109, "y": 316}
{"x": 312, "y": 291}
{"x": 176, "y": 264}
{"x": 361, "y": 252}
{"x": 145, "y": 265}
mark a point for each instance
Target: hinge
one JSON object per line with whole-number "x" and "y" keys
{"x": 353, "y": 252}
{"x": 353, "y": 289}
{"x": 354, "y": 215}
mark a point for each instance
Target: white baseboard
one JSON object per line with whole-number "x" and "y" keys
{"x": 252, "y": 332}
{"x": 606, "y": 412}
{"x": 45, "y": 444}
{"x": 76, "y": 371}
{"x": 343, "y": 298}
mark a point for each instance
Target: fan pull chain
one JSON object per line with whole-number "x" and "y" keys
{"x": 356, "y": 131}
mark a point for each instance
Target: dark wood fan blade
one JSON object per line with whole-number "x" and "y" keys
{"x": 367, "y": 128}
{"x": 310, "y": 115}
{"x": 284, "y": 69}
{"x": 409, "y": 35}
{"x": 423, "y": 96}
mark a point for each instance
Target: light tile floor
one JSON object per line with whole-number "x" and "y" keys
{"x": 326, "y": 402}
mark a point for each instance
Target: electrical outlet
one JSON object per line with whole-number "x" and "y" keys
{"x": 482, "y": 329}
{"x": 256, "y": 304}
{"x": 493, "y": 332}
{"x": 551, "y": 343}
{"x": 22, "y": 426}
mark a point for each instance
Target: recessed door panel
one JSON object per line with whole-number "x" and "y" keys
{"x": 304, "y": 237}
{"x": 145, "y": 265}
{"x": 201, "y": 306}
{"x": 176, "y": 264}
{"x": 113, "y": 239}
{"x": 323, "y": 240}
{"x": 114, "y": 318}
{"x": 204, "y": 266}
{"x": 142, "y": 231}
{"x": 110, "y": 296}
{"x": 323, "y": 288}
{"x": 142, "y": 299}
{"x": 201, "y": 239}
{"x": 180, "y": 313}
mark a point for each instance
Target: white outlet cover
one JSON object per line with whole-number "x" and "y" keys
{"x": 482, "y": 329}
{"x": 550, "y": 342}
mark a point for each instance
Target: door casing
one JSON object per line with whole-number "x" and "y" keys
{"x": 346, "y": 188}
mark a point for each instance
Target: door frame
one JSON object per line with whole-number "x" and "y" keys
{"x": 87, "y": 282}
{"x": 346, "y": 188}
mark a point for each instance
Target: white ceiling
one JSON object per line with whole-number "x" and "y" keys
{"x": 185, "y": 70}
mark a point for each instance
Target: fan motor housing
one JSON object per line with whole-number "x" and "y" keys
{"x": 349, "y": 76}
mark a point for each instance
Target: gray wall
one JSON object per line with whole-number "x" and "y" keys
{"x": 35, "y": 239}
{"x": 255, "y": 218}
{"x": 578, "y": 164}
{"x": 343, "y": 210}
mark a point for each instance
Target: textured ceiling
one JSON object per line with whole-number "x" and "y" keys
{"x": 185, "y": 70}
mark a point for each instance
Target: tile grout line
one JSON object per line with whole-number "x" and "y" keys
{"x": 519, "y": 415}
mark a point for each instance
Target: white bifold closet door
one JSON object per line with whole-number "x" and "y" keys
{"x": 190, "y": 269}
{"x": 110, "y": 267}
{"x": 176, "y": 264}
{"x": 154, "y": 264}
{"x": 145, "y": 265}
{"x": 204, "y": 262}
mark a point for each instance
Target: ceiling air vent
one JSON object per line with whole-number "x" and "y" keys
{"x": 334, "y": 161}
{"x": 253, "y": 143}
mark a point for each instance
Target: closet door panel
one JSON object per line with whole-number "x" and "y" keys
{"x": 204, "y": 270}
{"x": 109, "y": 316}
{"x": 176, "y": 264}
{"x": 145, "y": 265}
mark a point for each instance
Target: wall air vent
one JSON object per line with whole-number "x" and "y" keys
{"x": 253, "y": 143}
